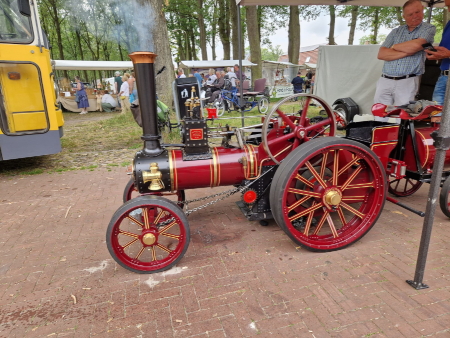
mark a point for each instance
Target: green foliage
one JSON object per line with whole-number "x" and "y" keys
{"x": 270, "y": 53}
{"x": 367, "y": 39}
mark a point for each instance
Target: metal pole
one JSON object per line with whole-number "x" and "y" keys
{"x": 241, "y": 82}
{"x": 442, "y": 144}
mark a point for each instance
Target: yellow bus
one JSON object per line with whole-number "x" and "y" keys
{"x": 31, "y": 124}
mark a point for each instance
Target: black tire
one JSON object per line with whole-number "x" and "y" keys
{"x": 444, "y": 197}
{"x": 371, "y": 204}
{"x": 220, "y": 105}
{"x": 263, "y": 105}
{"x": 123, "y": 214}
{"x": 128, "y": 191}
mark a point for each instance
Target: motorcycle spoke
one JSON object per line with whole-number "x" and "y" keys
{"x": 332, "y": 227}
{"x": 351, "y": 178}
{"x": 167, "y": 227}
{"x": 323, "y": 165}
{"x": 353, "y": 210}
{"x": 308, "y": 222}
{"x": 348, "y": 165}
{"x": 353, "y": 199}
{"x": 304, "y": 212}
{"x": 305, "y": 192}
{"x": 170, "y": 235}
{"x": 361, "y": 185}
{"x": 145, "y": 213}
{"x": 129, "y": 243}
{"x": 163, "y": 248}
{"x": 335, "y": 167}
{"x": 321, "y": 222}
{"x": 316, "y": 175}
{"x": 162, "y": 212}
{"x": 140, "y": 253}
{"x": 134, "y": 220}
{"x": 304, "y": 180}
{"x": 341, "y": 216}
{"x": 129, "y": 234}
{"x": 299, "y": 202}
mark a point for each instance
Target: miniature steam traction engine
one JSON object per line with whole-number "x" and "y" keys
{"x": 325, "y": 192}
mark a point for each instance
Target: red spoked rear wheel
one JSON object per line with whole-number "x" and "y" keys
{"x": 148, "y": 234}
{"x": 328, "y": 193}
{"x": 404, "y": 186}
{"x": 131, "y": 192}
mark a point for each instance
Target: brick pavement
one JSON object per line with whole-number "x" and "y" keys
{"x": 238, "y": 279}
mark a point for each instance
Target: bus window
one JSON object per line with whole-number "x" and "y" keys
{"x": 14, "y": 26}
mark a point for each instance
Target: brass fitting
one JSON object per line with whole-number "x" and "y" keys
{"x": 154, "y": 176}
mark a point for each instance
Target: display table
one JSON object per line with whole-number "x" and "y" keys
{"x": 68, "y": 102}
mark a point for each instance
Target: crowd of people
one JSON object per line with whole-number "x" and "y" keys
{"x": 124, "y": 86}
{"x": 214, "y": 81}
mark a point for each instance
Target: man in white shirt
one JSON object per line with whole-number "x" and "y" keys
{"x": 124, "y": 95}
{"x": 108, "y": 102}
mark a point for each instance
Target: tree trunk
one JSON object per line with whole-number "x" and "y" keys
{"x": 351, "y": 36}
{"x": 214, "y": 31}
{"x": 294, "y": 35}
{"x": 201, "y": 26}
{"x": 255, "y": 42}
{"x": 234, "y": 29}
{"x": 375, "y": 25}
{"x": 332, "y": 24}
{"x": 224, "y": 27}
{"x": 193, "y": 49}
{"x": 445, "y": 18}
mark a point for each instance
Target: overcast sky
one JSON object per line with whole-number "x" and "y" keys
{"x": 312, "y": 33}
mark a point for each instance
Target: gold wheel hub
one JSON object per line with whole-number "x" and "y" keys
{"x": 333, "y": 197}
{"x": 149, "y": 239}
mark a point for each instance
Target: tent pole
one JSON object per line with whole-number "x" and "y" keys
{"x": 430, "y": 11}
{"x": 241, "y": 82}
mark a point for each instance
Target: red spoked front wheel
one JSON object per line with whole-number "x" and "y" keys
{"x": 148, "y": 234}
{"x": 328, "y": 193}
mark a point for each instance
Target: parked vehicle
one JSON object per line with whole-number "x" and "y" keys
{"x": 31, "y": 123}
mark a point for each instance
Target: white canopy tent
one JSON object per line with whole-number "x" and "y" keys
{"x": 91, "y": 65}
{"x": 214, "y": 64}
{"x": 380, "y": 3}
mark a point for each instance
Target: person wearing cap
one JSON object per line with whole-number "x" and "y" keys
{"x": 442, "y": 53}
{"x": 404, "y": 57}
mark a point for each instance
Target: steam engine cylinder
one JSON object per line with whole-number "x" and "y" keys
{"x": 228, "y": 166}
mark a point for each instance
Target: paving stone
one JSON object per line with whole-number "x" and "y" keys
{"x": 238, "y": 279}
